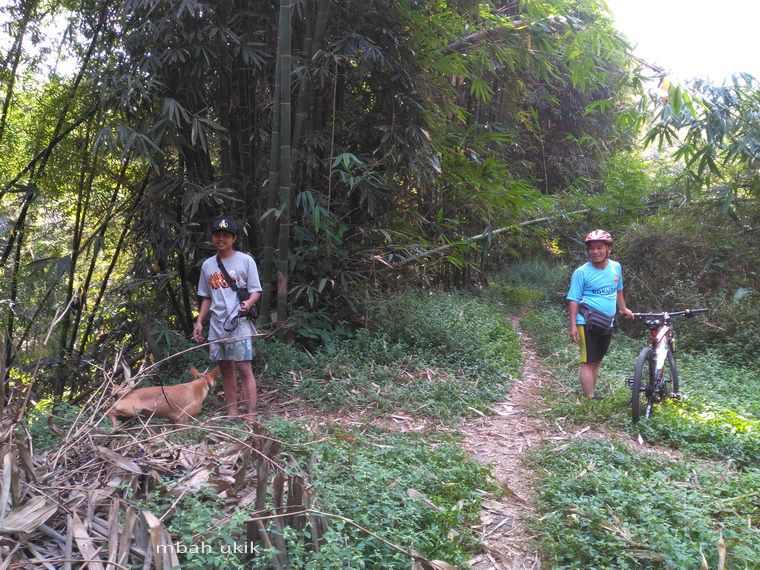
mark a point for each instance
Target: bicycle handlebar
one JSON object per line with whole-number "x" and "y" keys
{"x": 673, "y": 314}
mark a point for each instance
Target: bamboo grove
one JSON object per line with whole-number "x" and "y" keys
{"x": 347, "y": 136}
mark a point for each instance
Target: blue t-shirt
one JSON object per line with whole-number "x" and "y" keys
{"x": 596, "y": 287}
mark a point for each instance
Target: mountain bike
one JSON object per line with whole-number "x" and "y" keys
{"x": 656, "y": 377}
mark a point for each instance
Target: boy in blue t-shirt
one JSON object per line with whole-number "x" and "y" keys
{"x": 598, "y": 284}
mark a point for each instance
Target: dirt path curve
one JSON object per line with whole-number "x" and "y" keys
{"x": 501, "y": 440}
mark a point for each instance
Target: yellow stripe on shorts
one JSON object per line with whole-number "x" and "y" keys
{"x": 582, "y": 342}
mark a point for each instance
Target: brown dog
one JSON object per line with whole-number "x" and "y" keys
{"x": 178, "y": 403}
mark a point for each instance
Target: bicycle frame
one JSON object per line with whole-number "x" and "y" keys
{"x": 661, "y": 339}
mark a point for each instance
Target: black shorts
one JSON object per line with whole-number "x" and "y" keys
{"x": 593, "y": 345}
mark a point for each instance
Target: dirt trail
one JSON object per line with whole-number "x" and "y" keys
{"x": 501, "y": 440}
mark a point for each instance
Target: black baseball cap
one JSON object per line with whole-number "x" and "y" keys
{"x": 224, "y": 225}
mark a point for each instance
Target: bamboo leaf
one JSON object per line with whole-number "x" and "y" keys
{"x": 28, "y": 517}
{"x": 86, "y": 544}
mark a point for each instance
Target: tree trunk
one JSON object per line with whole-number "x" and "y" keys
{"x": 286, "y": 9}
{"x": 101, "y": 232}
{"x": 270, "y": 222}
{"x": 83, "y": 205}
{"x": 312, "y": 46}
{"x": 84, "y": 339}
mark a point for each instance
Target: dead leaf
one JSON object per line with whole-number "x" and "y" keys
{"x": 29, "y": 516}
{"x": 584, "y": 430}
{"x": 85, "y": 544}
{"x": 192, "y": 457}
{"x": 381, "y": 260}
{"x": 481, "y": 414}
{"x": 495, "y": 506}
{"x": 504, "y": 521}
{"x": 8, "y": 458}
{"x": 421, "y": 498}
{"x": 119, "y": 460}
{"x": 164, "y": 555}
{"x": 192, "y": 482}
{"x": 441, "y": 565}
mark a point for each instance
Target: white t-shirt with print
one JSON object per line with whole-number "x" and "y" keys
{"x": 224, "y": 301}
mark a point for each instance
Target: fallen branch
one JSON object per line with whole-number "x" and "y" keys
{"x": 472, "y": 239}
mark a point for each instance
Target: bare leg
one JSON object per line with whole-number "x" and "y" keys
{"x": 588, "y": 375}
{"x": 229, "y": 382}
{"x": 248, "y": 382}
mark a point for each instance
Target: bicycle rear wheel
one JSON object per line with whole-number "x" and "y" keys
{"x": 642, "y": 388}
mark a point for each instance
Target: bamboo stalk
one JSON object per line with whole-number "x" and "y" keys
{"x": 283, "y": 244}
{"x": 270, "y": 221}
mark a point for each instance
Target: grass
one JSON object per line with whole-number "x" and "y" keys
{"x": 416, "y": 493}
{"x": 607, "y": 505}
{"x": 443, "y": 355}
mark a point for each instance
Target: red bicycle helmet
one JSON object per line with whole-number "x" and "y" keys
{"x": 599, "y": 235}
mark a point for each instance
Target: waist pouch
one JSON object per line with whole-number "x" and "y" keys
{"x": 598, "y": 321}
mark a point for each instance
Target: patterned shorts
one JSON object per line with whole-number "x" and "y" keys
{"x": 237, "y": 350}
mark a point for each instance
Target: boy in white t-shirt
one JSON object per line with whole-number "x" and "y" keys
{"x": 230, "y": 330}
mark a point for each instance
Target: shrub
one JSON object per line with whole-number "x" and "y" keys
{"x": 537, "y": 274}
{"x": 696, "y": 257}
{"x": 718, "y": 418}
{"x": 458, "y": 328}
{"x": 274, "y": 361}
{"x": 439, "y": 354}
{"x": 62, "y": 414}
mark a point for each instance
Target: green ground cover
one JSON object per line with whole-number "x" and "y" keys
{"x": 717, "y": 417}
{"x": 442, "y": 355}
{"x": 605, "y": 505}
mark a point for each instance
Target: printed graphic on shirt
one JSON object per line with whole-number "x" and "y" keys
{"x": 604, "y": 290}
{"x": 217, "y": 280}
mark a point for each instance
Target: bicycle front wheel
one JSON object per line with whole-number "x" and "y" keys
{"x": 642, "y": 389}
{"x": 672, "y": 386}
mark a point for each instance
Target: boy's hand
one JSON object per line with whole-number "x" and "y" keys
{"x": 198, "y": 332}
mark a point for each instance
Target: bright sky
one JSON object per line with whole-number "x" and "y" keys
{"x": 693, "y": 38}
